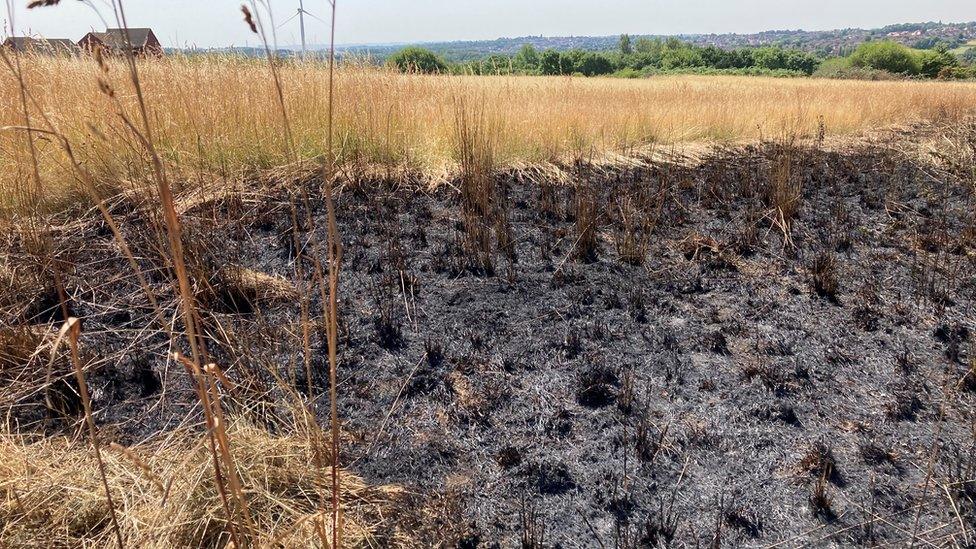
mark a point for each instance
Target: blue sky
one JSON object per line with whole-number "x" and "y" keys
{"x": 218, "y": 22}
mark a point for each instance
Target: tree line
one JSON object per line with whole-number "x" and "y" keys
{"x": 645, "y": 56}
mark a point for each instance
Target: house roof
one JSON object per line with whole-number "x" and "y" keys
{"x": 115, "y": 38}
{"x": 43, "y": 45}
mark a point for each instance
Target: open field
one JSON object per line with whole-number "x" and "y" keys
{"x": 220, "y": 117}
{"x": 512, "y": 315}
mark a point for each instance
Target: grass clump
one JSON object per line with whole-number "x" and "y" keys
{"x": 165, "y": 494}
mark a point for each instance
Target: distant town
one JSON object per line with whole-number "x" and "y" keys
{"x": 826, "y": 43}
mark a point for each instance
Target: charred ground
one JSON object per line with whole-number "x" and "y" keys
{"x": 771, "y": 343}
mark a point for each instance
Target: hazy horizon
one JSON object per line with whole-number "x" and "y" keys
{"x": 188, "y": 23}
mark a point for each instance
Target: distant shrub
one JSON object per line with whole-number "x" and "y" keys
{"x": 417, "y": 60}
{"x": 594, "y": 64}
{"x": 968, "y": 56}
{"x": 649, "y": 46}
{"x": 957, "y": 73}
{"x": 885, "y": 60}
{"x": 627, "y": 72}
{"x": 933, "y": 62}
{"x": 832, "y": 65}
{"x": 585, "y": 62}
{"x": 887, "y": 56}
{"x": 728, "y": 59}
{"x": 681, "y": 57}
{"x": 840, "y": 68}
{"x": 496, "y": 64}
{"x": 780, "y": 59}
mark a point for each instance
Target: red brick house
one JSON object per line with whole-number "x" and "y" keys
{"x": 113, "y": 41}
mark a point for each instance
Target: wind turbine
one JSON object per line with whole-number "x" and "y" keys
{"x": 302, "y": 12}
{"x": 301, "y": 21}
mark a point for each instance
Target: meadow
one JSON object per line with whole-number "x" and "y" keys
{"x": 221, "y": 116}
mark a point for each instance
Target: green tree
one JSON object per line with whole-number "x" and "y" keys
{"x": 417, "y": 60}
{"x": 886, "y": 56}
{"x": 550, "y": 62}
{"x": 724, "y": 59}
{"x": 496, "y": 64}
{"x": 527, "y": 58}
{"x": 769, "y": 58}
{"x": 681, "y": 56}
{"x": 587, "y": 63}
{"x": 647, "y": 53}
{"x": 801, "y": 61}
{"x": 933, "y": 62}
{"x": 626, "y": 47}
{"x": 572, "y": 61}
{"x": 649, "y": 46}
{"x": 594, "y": 64}
{"x": 772, "y": 58}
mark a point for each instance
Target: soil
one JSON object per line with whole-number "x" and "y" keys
{"x": 726, "y": 385}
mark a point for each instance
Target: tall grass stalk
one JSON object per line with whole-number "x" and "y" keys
{"x": 335, "y": 262}
{"x": 216, "y": 425}
{"x": 73, "y": 326}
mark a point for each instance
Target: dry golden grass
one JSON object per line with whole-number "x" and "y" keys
{"x": 165, "y": 494}
{"x": 220, "y": 115}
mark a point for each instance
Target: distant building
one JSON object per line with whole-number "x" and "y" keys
{"x": 41, "y": 46}
{"x": 113, "y": 41}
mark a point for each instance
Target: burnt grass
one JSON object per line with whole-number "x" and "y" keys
{"x": 690, "y": 378}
